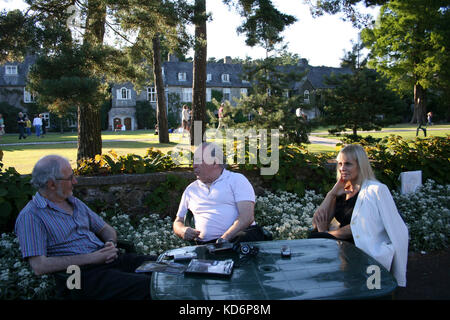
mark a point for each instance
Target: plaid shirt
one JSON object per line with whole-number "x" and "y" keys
{"x": 44, "y": 229}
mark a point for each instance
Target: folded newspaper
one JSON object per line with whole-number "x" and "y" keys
{"x": 210, "y": 267}
{"x": 166, "y": 267}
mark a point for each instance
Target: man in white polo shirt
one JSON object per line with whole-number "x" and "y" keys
{"x": 221, "y": 201}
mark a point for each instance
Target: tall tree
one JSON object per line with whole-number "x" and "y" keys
{"x": 271, "y": 105}
{"x": 155, "y": 22}
{"x": 360, "y": 100}
{"x": 408, "y": 45}
{"x": 348, "y": 7}
{"x": 199, "y": 72}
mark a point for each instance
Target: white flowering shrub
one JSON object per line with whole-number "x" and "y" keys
{"x": 17, "y": 280}
{"x": 286, "y": 215}
{"x": 153, "y": 235}
{"x": 427, "y": 215}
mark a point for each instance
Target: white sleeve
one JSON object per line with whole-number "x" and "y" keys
{"x": 243, "y": 189}
{"x": 397, "y": 232}
{"x": 184, "y": 205}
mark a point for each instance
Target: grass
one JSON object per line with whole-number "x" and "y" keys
{"x": 407, "y": 131}
{"x": 23, "y": 155}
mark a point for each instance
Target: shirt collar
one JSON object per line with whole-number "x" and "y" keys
{"x": 43, "y": 202}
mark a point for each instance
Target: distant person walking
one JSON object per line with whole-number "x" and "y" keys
{"x": 2, "y": 125}
{"x": 44, "y": 125}
{"x": 37, "y": 124}
{"x": 27, "y": 126}
{"x": 21, "y": 125}
{"x": 220, "y": 115}
{"x": 420, "y": 127}
{"x": 185, "y": 119}
{"x": 430, "y": 118}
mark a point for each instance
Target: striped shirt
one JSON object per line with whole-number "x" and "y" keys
{"x": 43, "y": 229}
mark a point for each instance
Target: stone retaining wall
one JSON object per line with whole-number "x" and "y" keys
{"x": 129, "y": 193}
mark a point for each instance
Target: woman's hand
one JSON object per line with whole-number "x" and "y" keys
{"x": 320, "y": 220}
{"x": 340, "y": 188}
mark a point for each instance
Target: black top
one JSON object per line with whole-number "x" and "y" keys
{"x": 19, "y": 121}
{"x": 344, "y": 209}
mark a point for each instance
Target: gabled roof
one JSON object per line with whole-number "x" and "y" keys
{"x": 318, "y": 75}
{"x": 171, "y": 70}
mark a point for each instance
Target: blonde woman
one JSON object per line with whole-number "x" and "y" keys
{"x": 366, "y": 211}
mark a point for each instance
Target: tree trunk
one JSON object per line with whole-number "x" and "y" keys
{"x": 199, "y": 71}
{"x": 161, "y": 114}
{"x": 89, "y": 132}
{"x": 89, "y": 128}
{"x": 419, "y": 104}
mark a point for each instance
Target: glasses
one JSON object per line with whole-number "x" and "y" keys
{"x": 70, "y": 178}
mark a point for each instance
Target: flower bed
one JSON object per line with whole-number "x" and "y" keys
{"x": 285, "y": 215}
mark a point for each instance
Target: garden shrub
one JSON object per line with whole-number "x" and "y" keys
{"x": 111, "y": 163}
{"x": 15, "y": 192}
{"x": 286, "y": 215}
{"x": 299, "y": 170}
{"x": 396, "y": 155}
{"x": 426, "y": 212}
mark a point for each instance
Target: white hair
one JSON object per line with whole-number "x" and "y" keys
{"x": 47, "y": 168}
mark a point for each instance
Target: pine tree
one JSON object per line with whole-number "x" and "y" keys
{"x": 360, "y": 100}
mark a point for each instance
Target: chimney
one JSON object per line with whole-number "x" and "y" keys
{"x": 172, "y": 58}
{"x": 227, "y": 60}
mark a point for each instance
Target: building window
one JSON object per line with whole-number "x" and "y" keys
{"x": 72, "y": 121}
{"x": 244, "y": 92}
{"x": 10, "y": 70}
{"x": 225, "y": 77}
{"x": 186, "y": 95}
{"x": 28, "y": 97}
{"x": 181, "y": 76}
{"x": 46, "y": 117}
{"x": 208, "y": 77}
{"x": 286, "y": 93}
{"x": 208, "y": 94}
{"x": 226, "y": 94}
{"x": 306, "y": 96}
{"x": 151, "y": 94}
{"x": 123, "y": 94}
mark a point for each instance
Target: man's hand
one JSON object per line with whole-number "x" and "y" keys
{"x": 190, "y": 234}
{"x": 107, "y": 254}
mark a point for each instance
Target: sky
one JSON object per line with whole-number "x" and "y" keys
{"x": 322, "y": 41}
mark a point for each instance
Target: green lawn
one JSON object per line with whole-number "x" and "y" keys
{"x": 407, "y": 131}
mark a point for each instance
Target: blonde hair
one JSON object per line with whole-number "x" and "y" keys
{"x": 357, "y": 153}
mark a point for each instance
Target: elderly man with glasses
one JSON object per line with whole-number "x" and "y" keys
{"x": 57, "y": 230}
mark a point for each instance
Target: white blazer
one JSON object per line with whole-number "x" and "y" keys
{"x": 378, "y": 229}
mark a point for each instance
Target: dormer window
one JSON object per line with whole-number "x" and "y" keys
{"x": 306, "y": 96}
{"x": 123, "y": 94}
{"x": 225, "y": 77}
{"x": 181, "y": 76}
{"x": 208, "y": 77}
{"x": 10, "y": 70}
